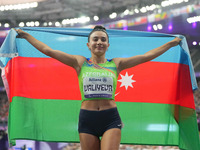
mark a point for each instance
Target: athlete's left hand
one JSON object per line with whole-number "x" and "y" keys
{"x": 175, "y": 41}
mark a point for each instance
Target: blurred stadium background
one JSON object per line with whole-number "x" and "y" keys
{"x": 164, "y": 16}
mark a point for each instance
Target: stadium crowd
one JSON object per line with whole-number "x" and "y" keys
{"x": 4, "y": 109}
{"x": 197, "y": 98}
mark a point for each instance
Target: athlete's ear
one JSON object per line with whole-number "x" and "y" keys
{"x": 108, "y": 46}
{"x": 88, "y": 45}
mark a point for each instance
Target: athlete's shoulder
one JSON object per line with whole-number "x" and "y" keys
{"x": 80, "y": 58}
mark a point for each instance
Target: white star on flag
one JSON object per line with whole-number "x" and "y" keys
{"x": 126, "y": 80}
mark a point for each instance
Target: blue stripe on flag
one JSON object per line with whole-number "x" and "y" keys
{"x": 73, "y": 41}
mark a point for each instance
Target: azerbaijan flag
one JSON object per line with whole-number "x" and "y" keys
{"x": 154, "y": 99}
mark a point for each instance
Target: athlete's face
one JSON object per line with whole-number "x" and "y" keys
{"x": 98, "y": 43}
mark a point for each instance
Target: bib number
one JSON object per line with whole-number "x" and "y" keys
{"x": 98, "y": 87}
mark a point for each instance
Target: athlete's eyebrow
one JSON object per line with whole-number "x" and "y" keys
{"x": 99, "y": 37}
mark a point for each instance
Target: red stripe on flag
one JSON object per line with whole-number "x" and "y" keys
{"x": 157, "y": 82}
{"x": 42, "y": 78}
{"x": 151, "y": 82}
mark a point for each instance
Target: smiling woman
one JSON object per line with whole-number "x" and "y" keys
{"x": 98, "y": 44}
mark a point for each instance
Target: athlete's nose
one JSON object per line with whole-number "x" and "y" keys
{"x": 99, "y": 42}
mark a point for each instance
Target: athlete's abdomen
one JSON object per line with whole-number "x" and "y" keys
{"x": 98, "y": 104}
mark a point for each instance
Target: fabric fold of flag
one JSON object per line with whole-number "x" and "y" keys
{"x": 154, "y": 99}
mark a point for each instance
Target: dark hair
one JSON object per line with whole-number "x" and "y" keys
{"x": 98, "y": 28}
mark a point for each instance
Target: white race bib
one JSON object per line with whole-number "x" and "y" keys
{"x": 98, "y": 87}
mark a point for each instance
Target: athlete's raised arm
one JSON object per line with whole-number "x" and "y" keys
{"x": 124, "y": 63}
{"x": 74, "y": 61}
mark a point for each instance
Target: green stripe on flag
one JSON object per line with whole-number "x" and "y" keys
{"x": 42, "y": 119}
{"x": 144, "y": 123}
{"x": 159, "y": 124}
{"x": 148, "y": 123}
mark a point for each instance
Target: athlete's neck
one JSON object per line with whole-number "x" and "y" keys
{"x": 98, "y": 60}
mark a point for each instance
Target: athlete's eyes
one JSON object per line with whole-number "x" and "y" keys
{"x": 95, "y": 39}
{"x": 103, "y": 39}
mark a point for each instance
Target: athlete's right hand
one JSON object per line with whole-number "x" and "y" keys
{"x": 21, "y": 33}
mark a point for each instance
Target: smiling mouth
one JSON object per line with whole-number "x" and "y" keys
{"x": 99, "y": 47}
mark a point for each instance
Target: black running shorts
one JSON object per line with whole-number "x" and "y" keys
{"x": 97, "y": 122}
